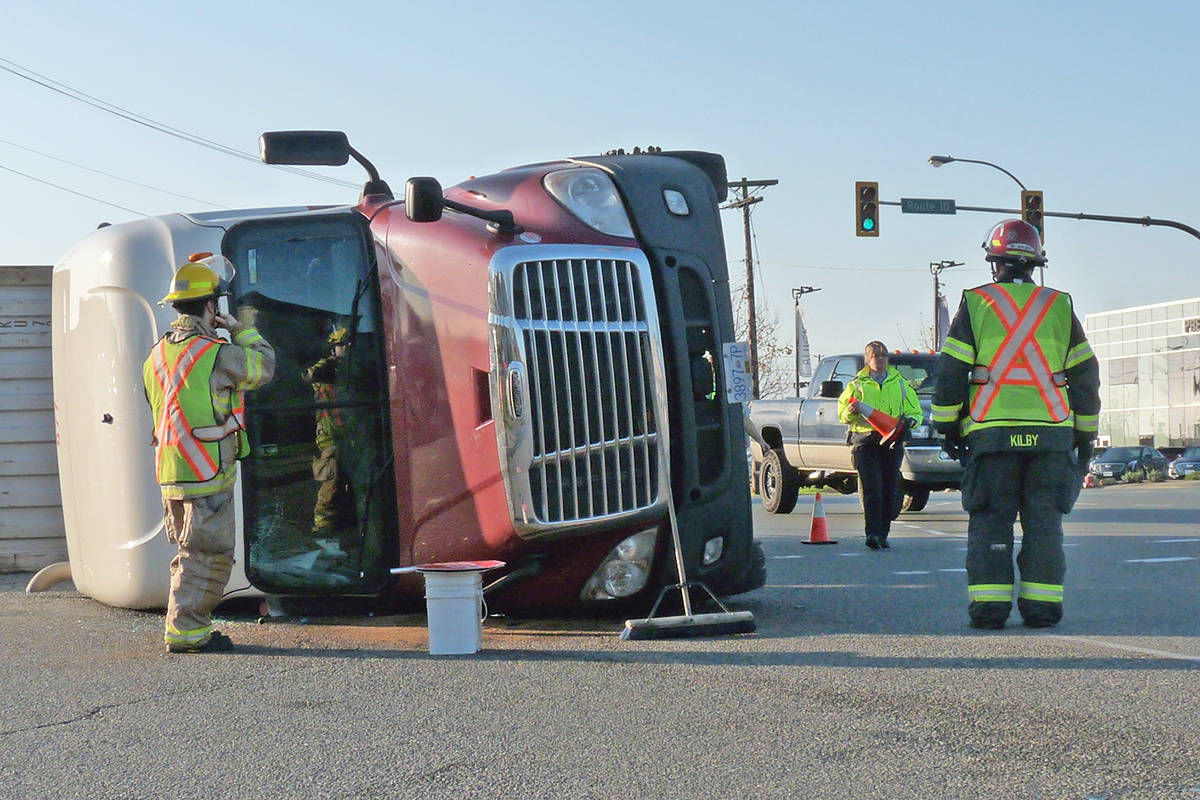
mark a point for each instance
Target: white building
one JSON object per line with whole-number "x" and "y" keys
{"x": 1149, "y": 373}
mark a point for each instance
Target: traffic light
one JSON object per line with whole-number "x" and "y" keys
{"x": 866, "y": 208}
{"x": 1031, "y": 211}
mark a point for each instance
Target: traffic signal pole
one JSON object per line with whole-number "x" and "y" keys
{"x": 1145, "y": 222}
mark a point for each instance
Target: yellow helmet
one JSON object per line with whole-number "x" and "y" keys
{"x": 338, "y": 336}
{"x": 198, "y": 278}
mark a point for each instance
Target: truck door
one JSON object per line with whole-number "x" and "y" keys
{"x": 318, "y": 494}
{"x": 822, "y": 435}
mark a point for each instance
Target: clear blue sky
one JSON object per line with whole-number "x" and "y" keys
{"x": 1095, "y": 103}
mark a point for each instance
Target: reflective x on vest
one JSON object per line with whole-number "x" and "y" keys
{"x": 1019, "y": 359}
{"x": 173, "y": 429}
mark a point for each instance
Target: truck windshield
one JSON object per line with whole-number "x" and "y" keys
{"x": 317, "y": 487}
{"x": 920, "y": 376}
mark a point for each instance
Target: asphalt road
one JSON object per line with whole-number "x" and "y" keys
{"x": 863, "y": 681}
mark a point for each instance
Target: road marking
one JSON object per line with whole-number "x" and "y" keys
{"x": 953, "y": 569}
{"x": 911, "y": 572}
{"x": 849, "y": 555}
{"x": 777, "y": 558}
{"x": 1159, "y": 560}
{"x": 1173, "y": 541}
{"x": 1149, "y": 651}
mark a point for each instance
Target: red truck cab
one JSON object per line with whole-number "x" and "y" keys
{"x": 518, "y": 368}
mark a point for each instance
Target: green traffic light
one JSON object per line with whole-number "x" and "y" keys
{"x": 868, "y": 224}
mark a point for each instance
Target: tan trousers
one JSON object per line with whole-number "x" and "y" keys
{"x": 203, "y": 529}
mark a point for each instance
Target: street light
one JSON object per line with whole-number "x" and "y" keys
{"x": 937, "y": 161}
{"x": 935, "y": 268}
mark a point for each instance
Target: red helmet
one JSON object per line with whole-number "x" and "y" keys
{"x": 1015, "y": 240}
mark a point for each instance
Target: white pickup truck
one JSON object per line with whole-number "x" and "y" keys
{"x": 800, "y": 442}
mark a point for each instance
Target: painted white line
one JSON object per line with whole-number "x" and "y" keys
{"x": 911, "y": 572}
{"x": 953, "y": 569}
{"x": 849, "y": 555}
{"x": 1173, "y": 541}
{"x": 1149, "y": 651}
{"x": 778, "y": 558}
{"x": 1158, "y": 560}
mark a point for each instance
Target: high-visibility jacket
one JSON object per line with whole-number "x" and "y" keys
{"x": 1015, "y": 357}
{"x": 195, "y": 383}
{"x": 894, "y": 397}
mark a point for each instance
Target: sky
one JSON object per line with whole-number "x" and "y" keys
{"x": 1094, "y": 103}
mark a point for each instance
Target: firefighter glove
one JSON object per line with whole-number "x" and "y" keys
{"x": 1084, "y": 448}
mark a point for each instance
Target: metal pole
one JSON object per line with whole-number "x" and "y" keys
{"x": 797, "y": 293}
{"x": 1145, "y": 222}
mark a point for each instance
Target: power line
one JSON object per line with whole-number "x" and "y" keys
{"x": 72, "y": 191}
{"x": 102, "y": 105}
{"x": 110, "y": 175}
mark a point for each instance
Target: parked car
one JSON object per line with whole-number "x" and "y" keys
{"x": 1119, "y": 462}
{"x": 1187, "y": 463}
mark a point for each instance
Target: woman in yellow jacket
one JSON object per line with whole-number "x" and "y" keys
{"x": 881, "y": 388}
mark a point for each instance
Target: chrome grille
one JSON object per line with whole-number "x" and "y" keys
{"x": 580, "y": 407}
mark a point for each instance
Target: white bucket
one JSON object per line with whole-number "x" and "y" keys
{"x": 454, "y": 605}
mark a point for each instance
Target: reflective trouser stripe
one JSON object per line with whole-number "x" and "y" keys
{"x": 990, "y": 592}
{"x": 1044, "y": 592}
{"x": 193, "y": 636}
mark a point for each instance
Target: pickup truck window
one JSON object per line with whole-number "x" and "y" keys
{"x": 824, "y": 372}
{"x": 845, "y": 371}
{"x": 919, "y": 376}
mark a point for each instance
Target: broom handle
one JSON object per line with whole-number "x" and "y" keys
{"x": 683, "y": 581}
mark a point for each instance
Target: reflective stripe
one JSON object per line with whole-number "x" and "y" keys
{"x": 958, "y": 349}
{"x": 945, "y": 413}
{"x": 173, "y": 429}
{"x": 1088, "y": 423}
{"x": 1019, "y": 359}
{"x": 1045, "y": 592}
{"x": 1078, "y": 354}
{"x": 990, "y": 592}
{"x": 193, "y": 636}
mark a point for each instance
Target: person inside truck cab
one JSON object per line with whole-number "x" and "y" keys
{"x": 333, "y": 496}
{"x": 878, "y": 389}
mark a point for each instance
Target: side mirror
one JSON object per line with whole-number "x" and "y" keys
{"x": 831, "y": 389}
{"x": 423, "y": 200}
{"x": 307, "y": 148}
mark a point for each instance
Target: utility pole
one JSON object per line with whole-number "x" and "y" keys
{"x": 936, "y": 268}
{"x": 744, "y": 201}
{"x": 797, "y": 293}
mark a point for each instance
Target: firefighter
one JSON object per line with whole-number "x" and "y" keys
{"x": 883, "y": 388}
{"x": 1018, "y": 400}
{"x": 333, "y": 493}
{"x": 195, "y": 383}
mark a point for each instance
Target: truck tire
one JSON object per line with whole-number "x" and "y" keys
{"x": 779, "y": 485}
{"x": 915, "y": 498}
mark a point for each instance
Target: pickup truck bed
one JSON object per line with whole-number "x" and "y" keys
{"x": 800, "y": 442}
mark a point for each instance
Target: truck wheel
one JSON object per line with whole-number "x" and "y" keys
{"x": 779, "y": 485}
{"x": 915, "y": 498}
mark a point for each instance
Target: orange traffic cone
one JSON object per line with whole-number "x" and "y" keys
{"x": 819, "y": 532}
{"x": 887, "y": 425}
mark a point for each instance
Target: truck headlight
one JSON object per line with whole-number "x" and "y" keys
{"x": 713, "y": 549}
{"x": 625, "y": 570}
{"x": 590, "y": 195}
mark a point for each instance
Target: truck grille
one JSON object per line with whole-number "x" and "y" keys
{"x": 580, "y": 388}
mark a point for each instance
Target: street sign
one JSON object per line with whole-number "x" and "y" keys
{"x": 926, "y": 205}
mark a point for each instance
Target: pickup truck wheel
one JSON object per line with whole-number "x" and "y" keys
{"x": 779, "y": 485}
{"x": 915, "y": 498}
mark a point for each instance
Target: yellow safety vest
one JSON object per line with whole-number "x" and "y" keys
{"x": 186, "y": 432}
{"x": 1022, "y": 335}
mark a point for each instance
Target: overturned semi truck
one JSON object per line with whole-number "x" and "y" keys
{"x": 525, "y": 372}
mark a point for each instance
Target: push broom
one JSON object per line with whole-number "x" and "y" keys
{"x": 716, "y": 624}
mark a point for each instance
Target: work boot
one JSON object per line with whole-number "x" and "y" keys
{"x": 217, "y": 643}
{"x": 873, "y": 542}
{"x": 883, "y": 544}
{"x": 1039, "y": 622}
